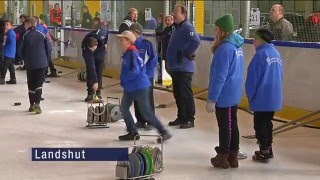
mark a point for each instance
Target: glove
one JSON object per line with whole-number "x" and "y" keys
{"x": 210, "y": 107}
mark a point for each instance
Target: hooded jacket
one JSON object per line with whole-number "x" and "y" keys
{"x": 183, "y": 43}
{"x": 9, "y": 49}
{"x": 133, "y": 73}
{"x": 227, "y": 72}
{"x": 264, "y": 79}
{"x": 148, "y": 54}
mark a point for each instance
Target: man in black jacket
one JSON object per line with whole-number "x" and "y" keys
{"x": 34, "y": 51}
{"x": 20, "y": 31}
{"x": 93, "y": 52}
{"x": 129, "y": 20}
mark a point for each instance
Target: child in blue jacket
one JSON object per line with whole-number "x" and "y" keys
{"x": 264, "y": 90}
{"x": 148, "y": 54}
{"x": 225, "y": 90}
{"x": 9, "y": 53}
{"x": 136, "y": 85}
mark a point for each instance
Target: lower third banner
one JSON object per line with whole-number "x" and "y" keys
{"x": 79, "y": 154}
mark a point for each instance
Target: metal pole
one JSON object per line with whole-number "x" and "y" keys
{"x": 245, "y": 18}
{"x": 114, "y": 14}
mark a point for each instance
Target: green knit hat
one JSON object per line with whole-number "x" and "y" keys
{"x": 225, "y": 23}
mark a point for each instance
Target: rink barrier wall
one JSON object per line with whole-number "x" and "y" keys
{"x": 301, "y": 62}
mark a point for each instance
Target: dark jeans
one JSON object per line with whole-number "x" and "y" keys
{"x": 183, "y": 95}
{"x": 263, "y": 127}
{"x": 35, "y": 79}
{"x": 228, "y": 129}
{"x": 136, "y": 107}
{"x": 53, "y": 70}
{"x": 99, "y": 65}
{"x": 8, "y": 63}
{"x": 141, "y": 97}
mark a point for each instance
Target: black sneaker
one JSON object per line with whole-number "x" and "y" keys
{"x": 176, "y": 122}
{"x": 89, "y": 98}
{"x": 31, "y": 108}
{"x": 140, "y": 125}
{"x": 129, "y": 137}
{"x": 261, "y": 156}
{"x": 187, "y": 125}
{"x": 12, "y": 81}
{"x": 2, "y": 82}
{"x": 165, "y": 136}
{"x": 53, "y": 75}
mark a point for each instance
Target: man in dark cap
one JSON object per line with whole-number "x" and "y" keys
{"x": 264, "y": 90}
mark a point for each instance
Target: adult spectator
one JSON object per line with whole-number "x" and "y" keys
{"x": 181, "y": 55}
{"x": 158, "y": 31}
{"x": 20, "y": 31}
{"x": 56, "y": 15}
{"x": 151, "y": 24}
{"x": 131, "y": 18}
{"x": 87, "y": 20}
{"x": 282, "y": 29}
{"x": 166, "y": 35}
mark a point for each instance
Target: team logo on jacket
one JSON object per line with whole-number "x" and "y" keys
{"x": 239, "y": 53}
{"x": 192, "y": 33}
{"x": 273, "y": 60}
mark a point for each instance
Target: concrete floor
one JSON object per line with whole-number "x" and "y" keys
{"x": 186, "y": 156}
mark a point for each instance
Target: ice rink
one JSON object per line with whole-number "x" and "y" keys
{"x": 186, "y": 156}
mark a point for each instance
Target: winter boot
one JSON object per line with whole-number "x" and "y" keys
{"x": 233, "y": 159}
{"x": 221, "y": 160}
{"x": 31, "y": 108}
{"x": 89, "y": 98}
{"x": 261, "y": 156}
{"x": 271, "y": 152}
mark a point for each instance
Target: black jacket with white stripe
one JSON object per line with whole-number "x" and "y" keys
{"x": 34, "y": 49}
{"x": 125, "y": 25}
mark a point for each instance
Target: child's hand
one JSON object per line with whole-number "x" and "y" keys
{"x": 95, "y": 87}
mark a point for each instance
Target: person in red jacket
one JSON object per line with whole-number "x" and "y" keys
{"x": 56, "y": 15}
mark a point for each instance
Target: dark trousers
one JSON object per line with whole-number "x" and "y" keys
{"x": 8, "y": 64}
{"x": 141, "y": 97}
{"x": 263, "y": 127}
{"x": 35, "y": 79}
{"x": 137, "y": 111}
{"x": 99, "y": 65}
{"x": 183, "y": 95}
{"x": 53, "y": 70}
{"x": 228, "y": 129}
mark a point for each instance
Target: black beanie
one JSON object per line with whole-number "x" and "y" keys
{"x": 265, "y": 34}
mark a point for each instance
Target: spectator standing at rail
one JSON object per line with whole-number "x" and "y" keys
{"x": 181, "y": 65}
{"x": 43, "y": 28}
{"x": 131, "y": 18}
{"x": 165, "y": 37}
{"x": 151, "y": 24}
{"x": 20, "y": 31}
{"x": 264, "y": 91}
{"x": 35, "y": 51}
{"x": 225, "y": 90}
{"x": 157, "y": 33}
{"x": 9, "y": 53}
{"x": 87, "y": 20}
{"x": 282, "y": 28}
{"x": 136, "y": 86}
{"x": 56, "y": 15}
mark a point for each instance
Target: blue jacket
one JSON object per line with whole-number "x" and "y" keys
{"x": 151, "y": 24}
{"x": 227, "y": 72}
{"x": 133, "y": 75}
{"x": 183, "y": 43}
{"x": 264, "y": 79}
{"x": 9, "y": 49}
{"x": 42, "y": 29}
{"x": 34, "y": 49}
{"x": 148, "y": 53}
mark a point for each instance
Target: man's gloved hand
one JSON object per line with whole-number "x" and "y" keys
{"x": 211, "y": 106}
